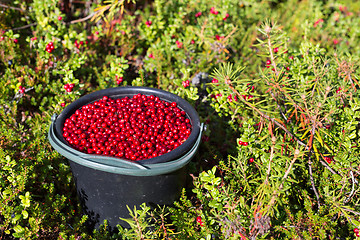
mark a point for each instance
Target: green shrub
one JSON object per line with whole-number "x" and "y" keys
{"x": 280, "y": 153}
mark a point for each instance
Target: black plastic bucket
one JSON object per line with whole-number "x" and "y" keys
{"x": 107, "y": 185}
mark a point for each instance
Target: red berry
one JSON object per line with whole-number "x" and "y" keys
{"x": 251, "y": 160}
{"x": 148, "y": 23}
{"x": 198, "y": 219}
{"x": 245, "y": 144}
{"x": 143, "y": 127}
{"x": 179, "y": 44}
{"x": 62, "y": 104}
{"x": 186, "y": 83}
{"x": 268, "y": 62}
{"x": 328, "y": 159}
{"x": 356, "y": 230}
{"x": 15, "y": 40}
{"x": 198, "y": 14}
{"x": 276, "y": 50}
{"x": 213, "y": 11}
{"x": 59, "y": 18}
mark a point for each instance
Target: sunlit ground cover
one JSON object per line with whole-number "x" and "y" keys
{"x": 274, "y": 82}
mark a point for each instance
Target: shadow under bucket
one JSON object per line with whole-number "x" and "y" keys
{"x": 107, "y": 185}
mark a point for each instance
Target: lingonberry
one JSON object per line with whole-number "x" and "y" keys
{"x": 251, "y": 160}
{"x": 356, "y": 230}
{"x": 59, "y": 18}
{"x": 199, "y": 221}
{"x": 186, "y": 83}
{"x": 22, "y": 89}
{"x": 218, "y": 37}
{"x": 179, "y": 44}
{"x": 213, "y": 11}
{"x": 50, "y": 47}
{"x": 328, "y": 159}
{"x": 226, "y": 16}
{"x": 119, "y": 80}
{"x": 245, "y": 144}
{"x": 276, "y": 50}
{"x": 69, "y": 87}
{"x": 268, "y": 62}
{"x": 148, "y": 23}
{"x": 134, "y": 128}
{"x": 214, "y": 80}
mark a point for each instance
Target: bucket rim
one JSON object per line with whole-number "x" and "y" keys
{"x": 123, "y": 91}
{"x": 117, "y": 165}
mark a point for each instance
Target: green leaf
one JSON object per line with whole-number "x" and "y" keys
{"x": 25, "y": 214}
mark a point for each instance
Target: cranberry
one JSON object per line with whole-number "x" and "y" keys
{"x": 134, "y": 128}
{"x": 268, "y": 62}
{"x": 276, "y": 50}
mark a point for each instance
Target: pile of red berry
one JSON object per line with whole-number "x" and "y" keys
{"x": 50, "y": 47}
{"x": 69, "y": 87}
{"x": 136, "y": 128}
